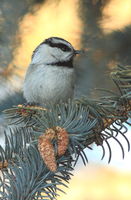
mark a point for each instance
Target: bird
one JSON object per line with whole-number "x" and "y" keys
{"x": 50, "y": 77}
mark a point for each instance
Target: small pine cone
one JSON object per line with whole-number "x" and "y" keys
{"x": 63, "y": 140}
{"x": 47, "y": 152}
{"x": 50, "y": 134}
{"x": 3, "y": 164}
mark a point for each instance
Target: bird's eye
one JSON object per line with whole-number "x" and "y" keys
{"x": 64, "y": 49}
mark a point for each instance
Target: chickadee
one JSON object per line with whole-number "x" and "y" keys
{"x": 50, "y": 76}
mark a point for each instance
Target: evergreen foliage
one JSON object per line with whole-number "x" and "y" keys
{"x": 37, "y": 135}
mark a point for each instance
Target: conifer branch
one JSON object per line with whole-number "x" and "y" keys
{"x": 42, "y": 141}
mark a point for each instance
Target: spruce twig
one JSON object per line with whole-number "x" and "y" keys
{"x": 68, "y": 128}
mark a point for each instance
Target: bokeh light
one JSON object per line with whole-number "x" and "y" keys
{"x": 116, "y": 15}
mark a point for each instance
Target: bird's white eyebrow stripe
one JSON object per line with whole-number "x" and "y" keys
{"x": 58, "y": 44}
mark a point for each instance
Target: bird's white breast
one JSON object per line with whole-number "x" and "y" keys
{"x": 48, "y": 84}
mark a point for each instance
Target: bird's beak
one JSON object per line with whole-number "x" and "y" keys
{"x": 77, "y": 52}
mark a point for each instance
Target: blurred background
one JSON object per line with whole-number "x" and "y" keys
{"x": 103, "y": 29}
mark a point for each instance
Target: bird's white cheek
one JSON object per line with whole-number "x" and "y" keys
{"x": 63, "y": 56}
{"x": 52, "y": 54}
{"x": 67, "y": 56}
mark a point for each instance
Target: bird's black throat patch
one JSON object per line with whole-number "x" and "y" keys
{"x": 68, "y": 64}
